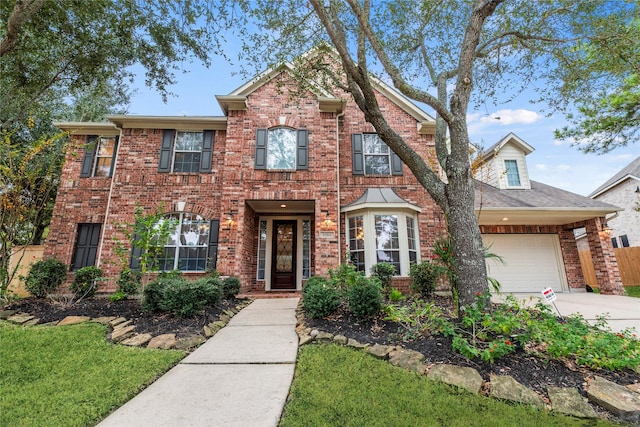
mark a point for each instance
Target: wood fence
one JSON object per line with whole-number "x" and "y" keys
{"x": 628, "y": 264}
{"x": 31, "y": 255}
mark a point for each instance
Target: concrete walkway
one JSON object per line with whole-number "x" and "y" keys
{"x": 239, "y": 377}
{"x": 622, "y": 312}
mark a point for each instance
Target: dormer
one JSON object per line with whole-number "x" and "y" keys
{"x": 504, "y": 164}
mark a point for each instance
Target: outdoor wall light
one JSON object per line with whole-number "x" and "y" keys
{"x": 606, "y": 229}
{"x": 327, "y": 220}
{"x": 229, "y": 222}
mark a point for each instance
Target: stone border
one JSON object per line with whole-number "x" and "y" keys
{"x": 623, "y": 402}
{"x": 122, "y": 331}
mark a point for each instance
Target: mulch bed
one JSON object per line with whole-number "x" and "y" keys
{"x": 534, "y": 372}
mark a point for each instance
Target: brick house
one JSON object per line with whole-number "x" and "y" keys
{"x": 277, "y": 189}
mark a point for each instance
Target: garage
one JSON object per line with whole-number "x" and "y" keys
{"x": 532, "y": 262}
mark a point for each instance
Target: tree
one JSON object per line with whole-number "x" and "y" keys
{"x": 50, "y": 49}
{"x": 462, "y": 52}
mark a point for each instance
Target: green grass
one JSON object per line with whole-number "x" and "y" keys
{"x": 70, "y": 375}
{"x": 337, "y": 386}
{"x": 632, "y": 291}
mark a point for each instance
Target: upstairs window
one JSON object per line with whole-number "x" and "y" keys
{"x": 513, "y": 176}
{"x": 186, "y": 152}
{"x": 282, "y": 149}
{"x": 371, "y": 156}
{"x": 99, "y": 156}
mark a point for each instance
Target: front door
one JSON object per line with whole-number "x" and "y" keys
{"x": 283, "y": 267}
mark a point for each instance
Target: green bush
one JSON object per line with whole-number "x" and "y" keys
{"x": 345, "y": 276}
{"x": 84, "y": 282}
{"x": 45, "y": 277}
{"x": 384, "y": 272}
{"x": 320, "y": 297}
{"x": 365, "y": 297}
{"x": 129, "y": 282}
{"x": 423, "y": 278}
{"x": 230, "y": 287}
{"x": 180, "y": 296}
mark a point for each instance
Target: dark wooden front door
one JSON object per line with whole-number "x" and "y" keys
{"x": 283, "y": 266}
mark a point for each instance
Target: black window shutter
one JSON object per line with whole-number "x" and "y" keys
{"x": 624, "y": 241}
{"x": 136, "y": 251}
{"x": 166, "y": 148}
{"x": 87, "y": 161}
{"x": 212, "y": 256}
{"x": 207, "y": 150}
{"x": 357, "y": 153}
{"x": 396, "y": 164}
{"x": 113, "y": 158}
{"x": 303, "y": 149}
{"x": 86, "y": 245}
{"x": 261, "y": 149}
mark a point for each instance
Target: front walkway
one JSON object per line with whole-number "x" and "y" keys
{"x": 622, "y": 312}
{"x": 239, "y": 377}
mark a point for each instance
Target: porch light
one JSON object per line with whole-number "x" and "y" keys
{"x": 283, "y": 206}
{"x": 180, "y": 206}
{"x": 327, "y": 220}
{"x": 606, "y": 229}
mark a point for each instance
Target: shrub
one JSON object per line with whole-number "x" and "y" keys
{"x": 84, "y": 282}
{"x": 365, "y": 297}
{"x": 180, "y": 296}
{"x": 423, "y": 278}
{"x": 45, "y": 277}
{"x": 230, "y": 287}
{"x": 396, "y": 295}
{"x": 117, "y": 296}
{"x": 129, "y": 282}
{"x": 320, "y": 298}
{"x": 384, "y": 272}
{"x": 344, "y": 276}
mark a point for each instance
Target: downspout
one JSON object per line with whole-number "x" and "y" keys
{"x": 338, "y": 180}
{"x": 106, "y": 213}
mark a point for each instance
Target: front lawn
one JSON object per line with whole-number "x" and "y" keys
{"x": 337, "y": 386}
{"x": 70, "y": 375}
{"x": 632, "y": 291}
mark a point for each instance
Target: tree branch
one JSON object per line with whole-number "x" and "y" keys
{"x": 22, "y": 12}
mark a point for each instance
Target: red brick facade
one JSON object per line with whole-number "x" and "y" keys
{"x": 240, "y": 196}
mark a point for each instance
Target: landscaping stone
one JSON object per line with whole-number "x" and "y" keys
{"x": 123, "y": 325}
{"x": 466, "y": 378}
{"x": 137, "y": 340}
{"x": 5, "y": 314}
{"x": 507, "y": 388}
{"x": 324, "y": 337}
{"x": 189, "y": 342}
{"x": 73, "y": 320}
{"x": 355, "y": 344}
{"x": 314, "y": 333}
{"x": 217, "y": 325}
{"x": 305, "y": 339}
{"x": 635, "y": 387}
{"x": 340, "y": 339}
{"x": 379, "y": 351}
{"x": 209, "y": 331}
{"x": 232, "y": 312}
{"x": 116, "y": 322}
{"x": 615, "y": 398}
{"x": 407, "y": 359}
{"x": 567, "y": 400}
{"x": 225, "y": 318}
{"x": 103, "y": 320}
{"x": 32, "y": 322}
{"x": 164, "y": 341}
{"x": 121, "y": 334}
{"x": 20, "y": 319}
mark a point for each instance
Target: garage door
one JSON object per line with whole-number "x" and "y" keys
{"x": 531, "y": 262}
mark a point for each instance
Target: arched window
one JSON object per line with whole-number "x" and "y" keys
{"x": 187, "y": 246}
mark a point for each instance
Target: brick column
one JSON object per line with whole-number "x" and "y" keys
{"x": 604, "y": 259}
{"x": 571, "y": 258}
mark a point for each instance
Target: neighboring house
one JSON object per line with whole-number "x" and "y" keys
{"x": 277, "y": 190}
{"x": 623, "y": 189}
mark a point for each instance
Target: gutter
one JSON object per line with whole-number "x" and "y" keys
{"x": 338, "y": 181}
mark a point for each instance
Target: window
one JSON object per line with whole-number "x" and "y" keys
{"x": 186, "y": 152}
{"x": 262, "y": 250}
{"x": 371, "y": 156}
{"x": 99, "y": 156}
{"x": 306, "y": 249}
{"x": 282, "y": 149}
{"x": 614, "y": 242}
{"x": 513, "y": 177}
{"x": 383, "y": 237}
{"x": 86, "y": 248}
{"x": 624, "y": 241}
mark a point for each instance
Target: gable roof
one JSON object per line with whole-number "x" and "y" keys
{"x": 510, "y": 138}
{"x": 542, "y": 204}
{"x": 632, "y": 170}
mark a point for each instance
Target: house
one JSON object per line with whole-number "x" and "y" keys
{"x": 623, "y": 189}
{"x": 278, "y": 189}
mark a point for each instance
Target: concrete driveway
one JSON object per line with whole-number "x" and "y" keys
{"x": 621, "y": 312}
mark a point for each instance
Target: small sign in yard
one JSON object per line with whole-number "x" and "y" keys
{"x": 550, "y": 297}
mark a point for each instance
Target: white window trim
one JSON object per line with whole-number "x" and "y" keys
{"x": 175, "y": 149}
{"x": 368, "y": 222}
{"x": 269, "y": 249}
{"x": 365, "y": 154}
{"x": 268, "y": 153}
{"x": 506, "y": 171}
{"x": 98, "y": 156}
{"x": 176, "y": 258}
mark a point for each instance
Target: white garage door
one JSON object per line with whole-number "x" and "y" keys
{"x": 532, "y": 262}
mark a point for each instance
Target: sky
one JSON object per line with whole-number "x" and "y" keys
{"x": 553, "y": 162}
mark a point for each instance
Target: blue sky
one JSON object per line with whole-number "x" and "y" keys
{"x": 553, "y": 162}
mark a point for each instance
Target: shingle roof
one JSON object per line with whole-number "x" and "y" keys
{"x": 539, "y": 196}
{"x": 631, "y": 170}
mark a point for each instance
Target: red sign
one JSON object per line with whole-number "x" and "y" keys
{"x": 549, "y": 295}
